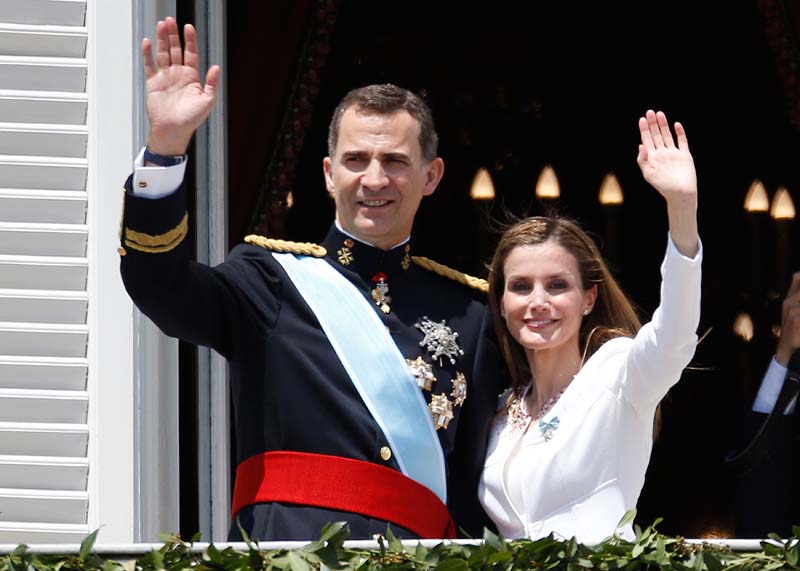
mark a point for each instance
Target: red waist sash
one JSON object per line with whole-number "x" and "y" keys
{"x": 343, "y": 484}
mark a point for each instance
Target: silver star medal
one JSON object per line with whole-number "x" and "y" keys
{"x": 439, "y": 340}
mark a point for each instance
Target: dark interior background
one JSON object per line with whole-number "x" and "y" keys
{"x": 516, "y": 86}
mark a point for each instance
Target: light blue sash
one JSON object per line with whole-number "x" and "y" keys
{"x": 376, "y": 367}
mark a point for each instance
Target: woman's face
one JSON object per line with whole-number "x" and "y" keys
{"x": 543, "y": 298}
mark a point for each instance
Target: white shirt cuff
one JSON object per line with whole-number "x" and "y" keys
{"x": 770, "y": 389}
{"x": 672, "y": 250}
{"x": 154, "y": 181}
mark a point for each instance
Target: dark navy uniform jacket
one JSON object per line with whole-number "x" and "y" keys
{"x": 289, "y": 390}
{"x": 767, "y": 498}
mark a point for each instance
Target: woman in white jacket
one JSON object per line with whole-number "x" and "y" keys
{"x": 573, "y": 437}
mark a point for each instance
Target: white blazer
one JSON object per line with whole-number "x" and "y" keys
{"x": 582, "y": 481}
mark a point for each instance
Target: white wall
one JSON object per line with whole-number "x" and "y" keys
{"x": 110, "y": 122}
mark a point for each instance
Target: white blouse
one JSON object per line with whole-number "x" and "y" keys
{"x": 578, "y": 470}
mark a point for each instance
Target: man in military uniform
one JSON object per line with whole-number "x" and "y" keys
{"x": 767, "y": 500}
{"x": 363, "y": 378}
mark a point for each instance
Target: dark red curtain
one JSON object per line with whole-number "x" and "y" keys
{"x": 265, "y": 44}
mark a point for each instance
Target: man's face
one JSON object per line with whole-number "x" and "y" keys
{"x": 378, "y": 176}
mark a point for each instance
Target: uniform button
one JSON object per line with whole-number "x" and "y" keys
{"x": 142, "y": 184}
{"x": 121, "y": 251}
{"x": 386, "y": 453}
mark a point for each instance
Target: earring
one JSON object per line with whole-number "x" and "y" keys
{"x": 586, "y": 311}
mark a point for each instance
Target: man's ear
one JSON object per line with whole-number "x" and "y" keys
{"x": 327, "y": 169}
{"x": 433, "y": 175}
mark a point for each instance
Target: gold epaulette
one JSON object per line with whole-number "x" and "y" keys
{"x": 275, "y": 245}
{"x": 455, "y": 275}
{"x": 157, "y": 244}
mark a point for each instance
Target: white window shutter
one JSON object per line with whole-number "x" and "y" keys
{"x": 44, "y": 403}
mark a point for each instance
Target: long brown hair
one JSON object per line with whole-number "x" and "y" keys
{"x": 613, "y": 314}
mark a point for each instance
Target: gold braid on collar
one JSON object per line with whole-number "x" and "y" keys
{"x": 450, "y": 273}
{"x": 275, "y": 245}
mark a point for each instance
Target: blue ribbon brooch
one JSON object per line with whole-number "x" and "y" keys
{"x": 548, "y": 428}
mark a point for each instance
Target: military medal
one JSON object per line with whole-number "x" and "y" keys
{"x": 380, "y": 293}
{"x": 441, "y": 411}
{"x": 459, "y": 392}
{"x": 422, "y": 372}
{"x": 439, "y": 340}
{"x": 406, "y": 262}
{"x": 346, "y": 254}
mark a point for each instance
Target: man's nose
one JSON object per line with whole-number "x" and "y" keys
{"x": 374, "y": 176}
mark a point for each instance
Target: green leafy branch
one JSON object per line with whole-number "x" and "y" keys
{"x": 650, "y": 550}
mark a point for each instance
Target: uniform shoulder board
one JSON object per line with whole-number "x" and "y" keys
{"x": 450, "y": 273}
{"x": 275, "y": 245}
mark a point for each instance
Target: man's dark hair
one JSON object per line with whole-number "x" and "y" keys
{"x": 384, "y": 100}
